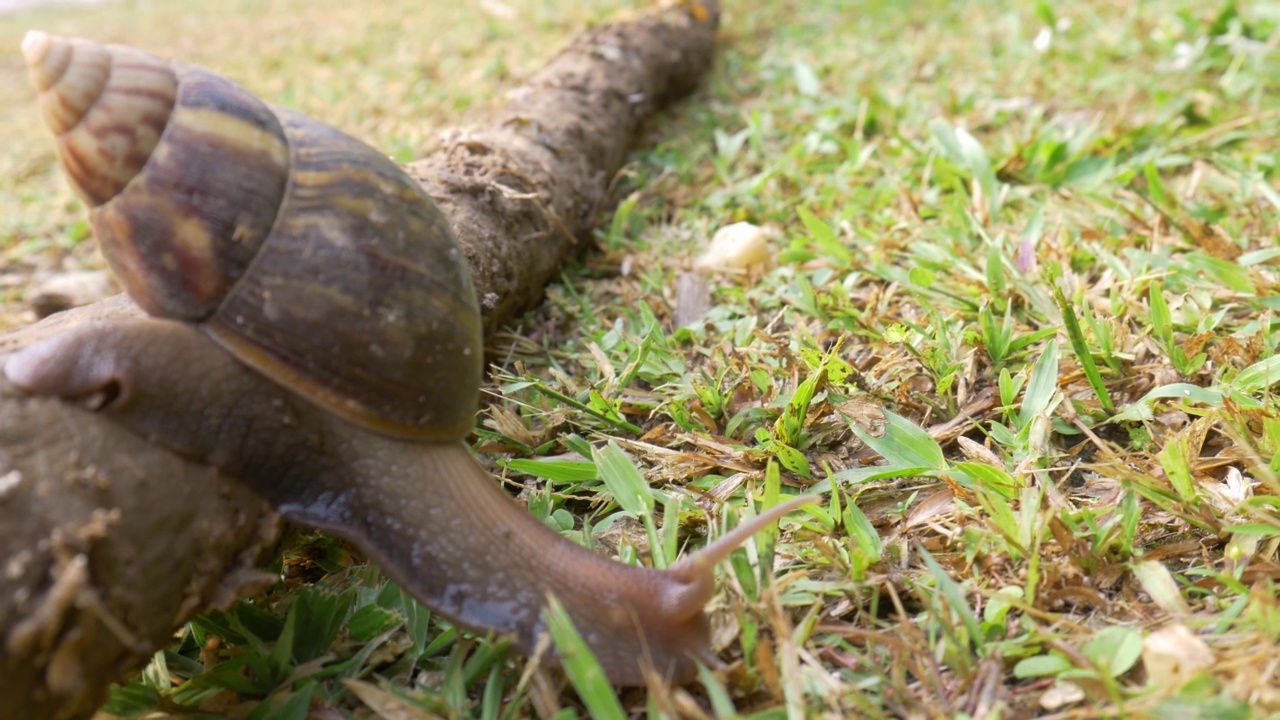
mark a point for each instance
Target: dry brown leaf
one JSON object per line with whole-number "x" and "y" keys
{"x": 1173, "y": 655}
{"x": 934, "y": 505}
{"x": 385, "y": 704}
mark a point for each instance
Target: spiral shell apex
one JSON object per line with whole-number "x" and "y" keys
{"x": 309, "y": 255}
{"x": 175, "y": 246}
{"x": 107, "y": 107}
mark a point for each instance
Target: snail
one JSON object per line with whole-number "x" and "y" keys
{"x": 313, "y": 332}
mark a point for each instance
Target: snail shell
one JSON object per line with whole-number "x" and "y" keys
{"x": 307, "y": 254}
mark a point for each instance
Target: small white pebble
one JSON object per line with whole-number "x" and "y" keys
{"x": 1061, "y": 695}
{"x": 17, "y": 564}
{"x": 9, "y": 481}
{"x": 735, "y": 247}
{"x": 1043, "y": 40}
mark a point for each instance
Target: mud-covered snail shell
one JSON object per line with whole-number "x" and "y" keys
{"x": 314, "y": 260}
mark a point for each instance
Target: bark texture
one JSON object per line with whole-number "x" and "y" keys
{"x": 525, "y": 187}
{"x": 109, "y": 544}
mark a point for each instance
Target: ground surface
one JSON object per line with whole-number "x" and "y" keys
{"x": 1045, "y": 237}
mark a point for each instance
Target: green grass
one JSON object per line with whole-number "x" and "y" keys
{"x": 1020, "y": 325}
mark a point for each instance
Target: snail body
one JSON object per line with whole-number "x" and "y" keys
{"x": 316, "y": 336}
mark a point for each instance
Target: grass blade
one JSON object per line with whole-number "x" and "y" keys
{"x": 581, "y": 666}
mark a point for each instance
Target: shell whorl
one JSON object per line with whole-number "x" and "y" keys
{"x": 108, "y": 107}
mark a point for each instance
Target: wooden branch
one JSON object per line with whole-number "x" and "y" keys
{"x": 110, "y": 544}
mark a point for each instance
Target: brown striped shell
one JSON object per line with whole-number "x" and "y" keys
{"x": 309, "y": 255}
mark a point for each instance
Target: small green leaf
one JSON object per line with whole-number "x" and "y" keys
{"x": 417, "y": 621}
{"x": 282, "y": 651}
{"x": 997, "y": 506}
{"x": 953, "y": 594}
{"x": 1176, "y": 461}
{"x": 1160, "y": 585}
{"x": 132, "y": 700}
{"x": 1155, "y": 185}
{"x": 897, "y": 333}
{"x": 995, "y": 337}
{"x": 1041, "y": 666}
{"x": 321, "y": 612}
{"x": 1253, "y": 529}
{"x": 576, "y": 443}
{"x": 371, "y": 621}
{"x": 1130, "y": 517}
{"x": 1259, "y": 376}
{"x": 1023, "y": 341}
{"x": 999, "y": 605}
{"x": 1161, "y": 319}
{"x": 872, "y": 473}
{"x": 996, "y": 282}
{"x": 620, "y": 226}
{"x": 792, "y": 459}
{"x": 863, "y": 532}
{"x": 297, "y": 707}
{"x": 903, "y": 443}
{"x": 1141, "y": 409}
{"x": 1041, "y": 387}
{"x": 1226, "y": 273}
{"x": 624, "y": 481}
{"x": 922, "y": 276}
{"x": 824, "y": 237}
{"x": 1115, "y": 649}
{"x": 1009, "y": 387}
{"x": 564, "y": 472}
{"x": 156, "y": 673}
{"x": 229, "y": 675}
{"x": 966, "y": 153}
{"x": 1083, "y": 353}
{"x": 991, "y": 477}
{"x": 721, "y": 702}
{"x": 672, "y": 505}
{"x": 766, "y": 539}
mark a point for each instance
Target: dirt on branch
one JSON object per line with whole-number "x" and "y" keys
{"x": 534, "y": 176}
{"x": 110, "y": 544}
